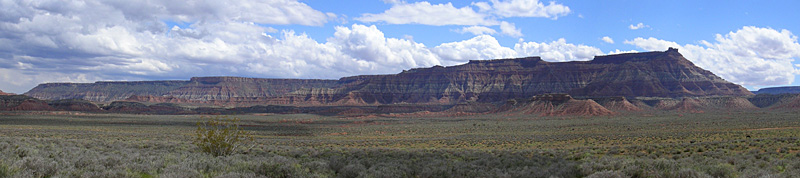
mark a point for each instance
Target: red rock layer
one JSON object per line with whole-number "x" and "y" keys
{"x": 562, "y": 105}
{"x": 620, "y": 104}
{"x": 4, "y": 93}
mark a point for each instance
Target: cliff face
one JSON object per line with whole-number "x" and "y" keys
{"x": 659, "y": 74}
{"x": 779, "y": 90}
{"x": 650, "y": 74}
{"x": 102, "y": 91}
{"x": 226, "y": 88}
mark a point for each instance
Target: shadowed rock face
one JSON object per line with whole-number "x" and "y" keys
{"x": 22, "y": 103}
{"x": 74, "y": 105}
{"x": 650, "y": 74}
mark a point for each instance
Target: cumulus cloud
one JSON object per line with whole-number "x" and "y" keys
{"x": 617, "y": 51}
{"x": 477, "y": 30}
{"x": 637, "y": 26}
{"x": 750, "y": 56}
{"x": 87, "y": 41}
{"x": 487, "y": 47}
{"x": 607, "y": 40}
{"x": 76, "y": 41}
{"x": 425, "y": 13}
{"x": 429, "y": 14}
{"x": 557, "y": 51}
{"x": 477, "y": 48}
{"x": 510, "y": 29}
{"x": 368, "y": 44}
{"x": 528, "y": 8}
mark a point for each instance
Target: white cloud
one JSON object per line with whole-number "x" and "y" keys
{"x": 557, "y": 51}
{"x": 429, "y": 14}
{"x": 528, "y": 8}
{"x": 425, "y": 13}
{"x": 510, "y": 29}
{"x": 86, "y": 41}
{"x": 367, "y": 43}
{"x": 637, "y": 26}
{"x": 477, "y": 30}
{"x": 617, "y": 51}
{"x": 477, "y": 48}
{"x": 652, "y": 44}
{"x": 607, "y": 40}
{"x": 487, "y": 47}
{"x": 394, "y": 1}
{"x": 749, "y": 56}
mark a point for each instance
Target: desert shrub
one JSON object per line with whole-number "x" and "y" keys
{"x": 352, "y": 170}
{"x": 220, "y": 136}
{"x": 282, "y": 167}
{"x": 387, "y": 170}
{"x": 608, "y": 174}
{"x": 687, "y": 173}
{"x": 5, "y": 170}
{"x": 720, "y": 170}
{"x": 38, "y": 167}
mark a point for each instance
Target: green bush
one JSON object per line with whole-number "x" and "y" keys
{"x": 220, "y": 136}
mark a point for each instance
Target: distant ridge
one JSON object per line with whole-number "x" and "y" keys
{"x": 648, "y": 74}
{"x": 779, "y": 90}
{"x": 4, "y": 93}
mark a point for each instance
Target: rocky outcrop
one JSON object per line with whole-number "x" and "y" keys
{"x": 558, "y": 105}
{"x": 650, "y": 74}
{"x": 619, "y": 104}
{"x": 23, "y": 103}
{"x": 4, "y": 93}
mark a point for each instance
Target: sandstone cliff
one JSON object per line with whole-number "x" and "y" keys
{"x": 102, "y": 91}
{"x": 649, "y": 74}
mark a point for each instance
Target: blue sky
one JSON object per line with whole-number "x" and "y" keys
{"x": 752, "y": 43}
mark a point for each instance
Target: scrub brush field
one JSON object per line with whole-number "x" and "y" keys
{"x": 662, "y": 144}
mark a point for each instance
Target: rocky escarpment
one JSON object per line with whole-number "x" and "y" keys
{"x": 225, "y": 88}
{"x": 779, "y": 90}
{"x": 650, "y": 74}
{"x": 103, "y": 91}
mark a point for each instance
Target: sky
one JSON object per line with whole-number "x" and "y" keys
{"x": 751, "y": 43}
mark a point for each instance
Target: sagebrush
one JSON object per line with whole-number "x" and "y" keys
{"x": 221, "y": 135}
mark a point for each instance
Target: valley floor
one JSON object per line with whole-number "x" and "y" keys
{"x": 729, "y": 144}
